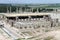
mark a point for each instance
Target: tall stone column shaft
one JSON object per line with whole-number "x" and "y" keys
{"x": 10, "y": 9}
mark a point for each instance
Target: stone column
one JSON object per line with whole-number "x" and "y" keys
{"x": 20, "y": 9}
{"x": 37, "y": 9}
{"x": 32, "y": 9}
{"x": 25, "y": 10}
{"x": 16, "y": 18}
{"x": 29, "y": 18}
{"x": 7, "y": 10}
{"x": 55, "y": 10}
{"x": 44, "y": 17}
{"x": 10, "y": 9}
{"x": 16, "y": 9}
